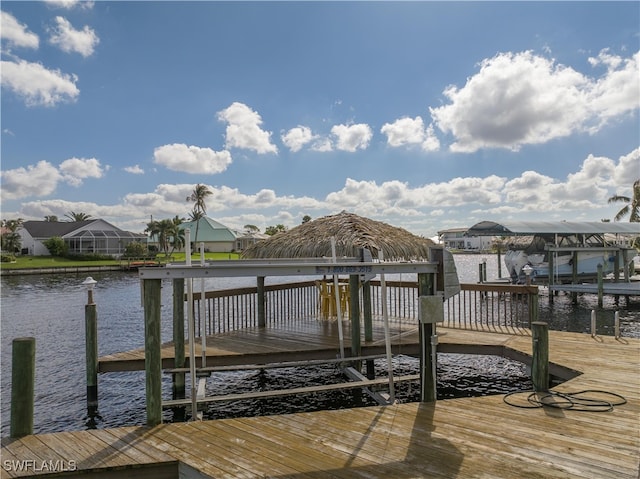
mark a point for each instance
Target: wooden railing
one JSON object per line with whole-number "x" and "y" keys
{"x": 233, "y": 309}
{"x": 494, "y": 307}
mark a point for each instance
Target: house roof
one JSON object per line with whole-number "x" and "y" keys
{"x": 507, "y": 228}
{"x": 209, "y": 230}
{"x": 48, "y": 229}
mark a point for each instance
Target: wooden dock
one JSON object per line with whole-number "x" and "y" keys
{"x": 609, "y": 288}
{"x": 299, "y": 340}
{"x": 458, "y": 438}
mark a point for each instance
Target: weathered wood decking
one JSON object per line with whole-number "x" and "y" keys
{"x": 293, "y": 341}
{"x": 459, "y": 438}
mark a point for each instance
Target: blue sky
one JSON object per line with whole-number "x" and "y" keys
{"x": 425, "y": 115}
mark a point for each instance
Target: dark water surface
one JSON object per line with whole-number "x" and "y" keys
{"x": 51, "y": 309}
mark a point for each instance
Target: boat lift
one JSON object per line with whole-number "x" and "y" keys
{"x": 151, "y": 278}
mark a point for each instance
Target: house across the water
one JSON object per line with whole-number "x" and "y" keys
{"x": 94, "y": 236}
{"x": 456, "y": 239}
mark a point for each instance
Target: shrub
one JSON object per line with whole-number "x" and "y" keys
{"x": 89, "y": 257}
{"x": 56, "y": 246}
{"x": 135, "y": 250}
{"x": 7, "y": 258}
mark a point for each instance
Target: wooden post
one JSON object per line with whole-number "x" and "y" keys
{"x": 533, "y": 306}
{"x": 427, "y": 348}
{"x": 574, "y": 276}
{"x": 91, "y": 356}
{"x": 550, "y": 279}
{"x": 152, "y": 356}
{"x": 262, "y": 317}
{"x": 178, "y": 338}
{"x": 540, "y": 364}
{"x": 616, "y": 266}
{"x": 368, "y": 323}
{"x": 354, "y": 315}
{"x": 23, "y": 373}
{"x": 600, "y": 285}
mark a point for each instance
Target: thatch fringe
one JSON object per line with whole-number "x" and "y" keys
{"x": 352, "y": 233}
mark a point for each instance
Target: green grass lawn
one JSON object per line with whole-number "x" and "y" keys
{"x": 27, "y": 262}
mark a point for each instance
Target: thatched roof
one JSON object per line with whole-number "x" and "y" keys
{"x": 352, "y": 232}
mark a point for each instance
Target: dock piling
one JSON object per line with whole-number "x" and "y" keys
{"x": 91, "y": 349}
{"x": 23, "y": 369}
{"x": 540, "y": 364}
{"x": 152, "y": 353}
{"x": 428, "y": 344}
{"x": 600, "y": 285}
{"x": 178, "y": 337}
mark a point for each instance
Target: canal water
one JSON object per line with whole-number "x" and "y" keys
{"x": 51, "y": 309}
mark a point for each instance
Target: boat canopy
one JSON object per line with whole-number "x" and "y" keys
{"x": 514, "y": 228}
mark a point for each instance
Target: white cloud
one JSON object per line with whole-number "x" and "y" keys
{"x": 627, "y": 170}
{"x": 352, "y": 137}
{"x": 43, "y": 178}
{"x": 395, "y": 194}
{"x": 134, "y": 170}
{"x": 618, "y": 92}
{"x": 39, "y": 180}
{"x": 296, "y": 138}
{"x": 74, "y": 170}
{"x": 69, "y": 40}
{"x": 409, "y": 132}
{"x": 515, "y": 99}
{"x": 15, "y": 33}
{"x": 37, "y": 85}
{"x": 322, "y": 145}
{"x": 192, "y": 159}
{"x": 243, "y": 129}
{"x": 521, "y": 98}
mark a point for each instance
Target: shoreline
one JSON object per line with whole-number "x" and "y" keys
{"x": 63, "y": 269}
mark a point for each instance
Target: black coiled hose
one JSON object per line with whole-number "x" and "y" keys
{"x": 576, "y": 401}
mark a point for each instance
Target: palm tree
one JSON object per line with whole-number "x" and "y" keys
{"x": 632, "y": 208}
{"x": 12, "y": 225}
{"x": 51, "y": 218}
{"x": 168, "y": 233}
{"x": 198, "y": 196}
{"x": 11, "y": 241}
{"x": 73, "y": 216}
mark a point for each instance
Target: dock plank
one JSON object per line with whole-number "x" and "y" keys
{"x": 456, "y": 438}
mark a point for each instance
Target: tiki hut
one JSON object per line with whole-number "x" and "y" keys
{"x": 352, "y": 233}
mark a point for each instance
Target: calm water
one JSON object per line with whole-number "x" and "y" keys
{"x": 51, "y": 309}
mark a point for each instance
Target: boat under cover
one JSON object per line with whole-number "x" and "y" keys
{"x": 591, "y": 243}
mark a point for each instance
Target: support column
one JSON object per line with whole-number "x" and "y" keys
{"x": 178, "y": 338}
{"x": 262, "y": 317}
{"x": 91, "y": 356}
{"x": 368, "y": 323}
{"x": 23, "y": 373}
{"x": 540, "y": 364}
{"x": 354, "y": 315}
{"x": 427, "y": 331}
{"x": 600, "y": 285}
{"x": 152, "y": 355}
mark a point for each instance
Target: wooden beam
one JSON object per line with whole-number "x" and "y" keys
{"x": 292, "y": 391}
{"x": 153, "y": 368}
